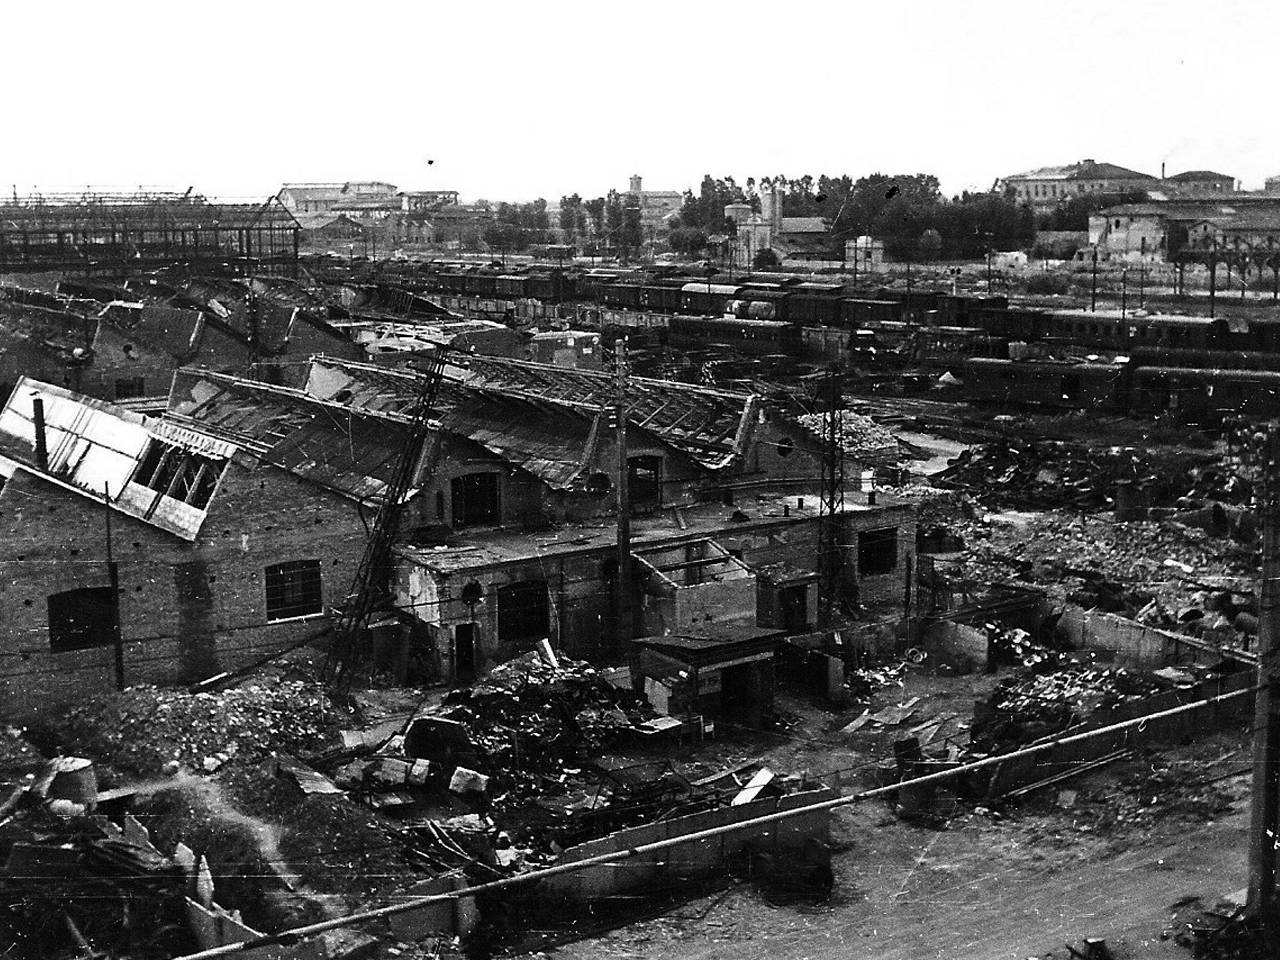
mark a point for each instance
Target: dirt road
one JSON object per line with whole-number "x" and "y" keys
{"x": 984, "y": 888}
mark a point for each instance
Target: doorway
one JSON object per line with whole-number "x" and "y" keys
{"x": 464, "y": 652}
{"x": 793, "y": 608}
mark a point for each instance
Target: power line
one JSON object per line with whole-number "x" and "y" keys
{"x": 292, "y": 935}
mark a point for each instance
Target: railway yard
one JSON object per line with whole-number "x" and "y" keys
{"x": 1060, "y": 641}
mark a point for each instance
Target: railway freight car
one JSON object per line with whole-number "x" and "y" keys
{"x": 747, "y": 336}
{"x": 1205, "y": 395}
{"x": 1096, "y": 386}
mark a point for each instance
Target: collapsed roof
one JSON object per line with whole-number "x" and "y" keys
{"x": 711, "y": 427}
{"x": 349, "y": 452}
{"x": 156, "y": 472}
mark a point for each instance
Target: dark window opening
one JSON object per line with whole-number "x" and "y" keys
{"x": 472, "y": 593}
{"x": 127, "y": 387}
{"x": 785, "y": 446}
{"x": 80, "y": 619}
{"x": 599, "y": 483}
{"x": 523, "y": 611}
{"x": 181, "y": 474}
{"x": 293, "y": 589}
{"x": 877, "y": 551}
{"x": 644, "y": 481}
{"x": 475, "y": 499}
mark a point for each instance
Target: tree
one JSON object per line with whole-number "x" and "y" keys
{"x": 765, "y": 259}
{"x": 929, "y": 247}
{"x": 687, "y": 240}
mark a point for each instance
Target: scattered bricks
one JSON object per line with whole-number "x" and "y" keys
{"x": 418, "y": 772}
{"x": 393, "y": 771}
{"x": 468, "y": 781}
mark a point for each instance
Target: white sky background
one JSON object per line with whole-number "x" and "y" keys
{"x": 518, "y": 100}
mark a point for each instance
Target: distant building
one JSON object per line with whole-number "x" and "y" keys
{"x": 321, "y": 197}
{"x": 798, "y": 238}
{"x": 1156, "y": 230}
{"x": 414, "y": 201}
{"x": 657, "y": 208}
{"x": 1044, "y": 188}
{"x": 1198, "y": 183}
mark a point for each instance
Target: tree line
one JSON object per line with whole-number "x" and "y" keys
{"x": 907, "y": 211}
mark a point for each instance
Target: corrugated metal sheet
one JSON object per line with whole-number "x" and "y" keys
{"x": 95, "y": 447}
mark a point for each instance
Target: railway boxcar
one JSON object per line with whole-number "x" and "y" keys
{"x": 858, "y": 312}
{"x": 814, "y": 303}
{"x": 748, "y": 336}
{"x": 1205, "y": 395}
{"x": 707, "y": 299}
{"x": 510, "y": 286}
{"x": 1094, "y": 386}
{"x": 661, "y": 296}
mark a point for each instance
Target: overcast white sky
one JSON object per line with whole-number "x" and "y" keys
{"x": 518, "y": 100}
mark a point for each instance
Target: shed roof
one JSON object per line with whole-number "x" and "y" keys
{"x": 95, "y": 448}
{"x": 352, "y": 453}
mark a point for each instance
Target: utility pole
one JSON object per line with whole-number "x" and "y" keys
{"x": 1093, "y": 294}
{"x": 622, "y": 583}
{"x": 1265, "y": 819}
{"x": 830, "y": 553}
{"x": 1213, "y": 275}
{"x": 113, "y": 580}
{"x": 1124, "y": 293}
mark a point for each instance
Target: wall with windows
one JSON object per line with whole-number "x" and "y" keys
{"x": 578, "y": 587}
{"x": 245, "y": 588}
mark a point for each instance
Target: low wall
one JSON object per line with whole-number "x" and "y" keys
{"x": 1135, "y": 645}
{"x": 957, "y": 645}
{"x": 1196, "y": 722}
{"x": 696, "y": 859}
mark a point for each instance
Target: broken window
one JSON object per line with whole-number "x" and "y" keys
{"x": 475, "y": 499}
{"x": 877, "y": 551}
{"x": 644, "y": 480}
{"x": 178, "y": 473}
{"x": 79, "y": 619}
{"x": 127, "y": 387}
{"x": 293, "y": 589}
{"x": 522, "y": 611}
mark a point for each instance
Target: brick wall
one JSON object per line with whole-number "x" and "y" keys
{"x": 580, "y": 590}
{"x": 186, "y": 609}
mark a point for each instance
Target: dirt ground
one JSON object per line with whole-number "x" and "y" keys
{"x": 1113, "y": 858}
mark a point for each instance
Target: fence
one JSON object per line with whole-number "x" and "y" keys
{"x": 697, "y": 859}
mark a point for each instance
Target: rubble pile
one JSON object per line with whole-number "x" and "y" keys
{"x": 1049, "y": 473}
{"x": 1042, "y": 702}
{"x": 859, "y": 434}
{"x": 1117, "y": 568}
{"x": 145, "y": 730}
{"x": 532, "y": 721}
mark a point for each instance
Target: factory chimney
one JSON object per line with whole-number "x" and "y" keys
{"x": 42, "y": 449}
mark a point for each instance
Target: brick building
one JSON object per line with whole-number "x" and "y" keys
{"x": 230, "y": 543}
{"x": 514, "y": 537}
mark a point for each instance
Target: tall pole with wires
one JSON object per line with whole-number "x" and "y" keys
{"x": 1265, "y": 821}
{"x": 622, "y": 581}
{"x": 830, "y": 558}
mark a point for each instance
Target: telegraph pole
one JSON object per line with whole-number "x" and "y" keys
{"x": 622, "y": 583}
{"x": 1093, "y": 294}
{"x": 113, "y": 579}
{"x": 830, "y": 555}
{"x": 1266, "y": 722}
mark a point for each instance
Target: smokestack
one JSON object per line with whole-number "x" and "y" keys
{"x": 42, "y": 450}
{"x": 1161, "y": 169}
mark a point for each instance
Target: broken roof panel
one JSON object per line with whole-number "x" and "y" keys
{"x": 711, "y": 427}
{"x": 349, "y": 452}
{"x": 95, "y": 448}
